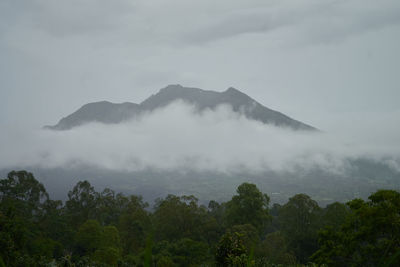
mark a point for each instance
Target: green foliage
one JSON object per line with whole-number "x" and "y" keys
{"x": 274, "y": 250}
{"x": 22, "y": 193}
{"x": 183, "y": 252}
{"x": 88, "y": 238}
{"x": 369, "y": 237}
{"x": 81, "y": 203}
{"x": 100, "y": 243}
{"x": 110, "y": 236}
{"x": 21, "y": 207}
{"x": 134, "y": 223}
{"x": 107, "y": 255}
{"x": 298, "y": 220}
{"x": 179, "y": 217}
{"x": 231, "y": 250}
{"x": 165, "y": 261}
{"x": 334, "y": 215}
{"x": 109, "y": 229}
{"x": 250, "y": 206}
{"x": 148, "y": 251}
{"x": 187, "y": 252}
{"x": 21, "y": 185}
{"x": 248, "y": 234}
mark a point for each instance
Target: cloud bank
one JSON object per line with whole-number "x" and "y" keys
{"x": 178, "y": 138}
{"x": 205, "y": 21}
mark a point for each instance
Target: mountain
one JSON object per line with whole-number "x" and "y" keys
{"x": 109, "y": 113}
{"x": 103, "y": 111}
{"x": 358, "y": 179}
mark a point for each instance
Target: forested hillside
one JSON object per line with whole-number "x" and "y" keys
{"x": 112, "y": 229}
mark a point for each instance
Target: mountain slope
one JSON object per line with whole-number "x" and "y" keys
{"x": 103, "y": 111}
{"x": 109, "y": 113}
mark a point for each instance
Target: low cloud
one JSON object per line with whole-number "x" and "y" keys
{"x": 290, "y": 55}
{"x": 201, "y": 22}
{"x": 178, "y": 138}
{"x": 314, "y": 21}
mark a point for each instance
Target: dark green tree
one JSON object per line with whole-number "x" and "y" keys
{"x": 23, "y": 193}
{"x": 179, "y": 217}
{"x": 22, "y": 200}
{"x": 274, "y": 250}
{"x": 299, "y": 223}
{"x": 82, "y": 203}
{"x": 231, "y": 250}
{"x": 334, "y": 215}
{"x": 183, "y": 252}
{"x": 369, "y": 237}
{"x": 249, "y": 206}
{"x": 99, "y": 243}
{"x": 134, "y": 224}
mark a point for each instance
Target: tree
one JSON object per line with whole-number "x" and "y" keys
{"x": 81, "y": 203}
{"x": 110, "y": 206}
{"x": 179, "y": 217}
{"x": 109, "y": 250}
{"x": 183, "y": 252}
{"x": 21, "y": 206}
{"x": 231, "y": 250}
{"x": 248, "y": 234}
{"x": 215, "y": 222}
{"x": 53, "y": 224}
{"x": 88, "y": 238}
{"x": 101, "y": 244}
{"x": 134, "y": 224}
{"x": 250, "y": 206}
{"x": 22, "y": 192}
{"x": 334, "y": 215}
{"x": 299, "y": 223}
{"x": 369, "y": 237}
{"x": 274, "y": 250}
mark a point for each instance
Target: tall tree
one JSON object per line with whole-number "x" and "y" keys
{"x": 22, "y": 191}
{"x": 82, "y": 203}
{"x": 249, "y": 206}
{"x": 299, "y": 222}
{"x": 179, "y": 217}
{"x": 21, "y": 206}
{"x": 134, "y": 224}
{"x": 369, "y": 237}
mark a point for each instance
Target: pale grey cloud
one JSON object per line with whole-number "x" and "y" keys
{"x": 62, "y": 18}
{"x": 218, "y": 141}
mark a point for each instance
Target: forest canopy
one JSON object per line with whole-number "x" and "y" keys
{"x": 112, "y": 229}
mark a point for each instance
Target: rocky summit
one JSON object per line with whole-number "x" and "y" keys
{"x": 111, "y": 113}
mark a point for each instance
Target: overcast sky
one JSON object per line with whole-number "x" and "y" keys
{"x": 328, "y": 63}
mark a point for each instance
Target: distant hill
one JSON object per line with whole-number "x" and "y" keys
{"x": 358, "y": 179}
{"x": 110, "y": 113}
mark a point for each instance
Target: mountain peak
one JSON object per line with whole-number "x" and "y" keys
{"x": 232, "y": 90}
{"x": 171, "y": 87}
{"x": 236, "y": 94}
{"x": 106, "y": 112}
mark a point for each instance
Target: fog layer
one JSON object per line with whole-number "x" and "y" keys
{"x": 178, "y": 138}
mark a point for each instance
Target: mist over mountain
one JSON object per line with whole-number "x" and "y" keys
{"x": 184, "y": 148}
{"x": 110, "y": 113}
{"x": 358, "y": 178}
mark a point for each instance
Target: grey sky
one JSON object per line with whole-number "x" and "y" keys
{"x": 327, "y": 63}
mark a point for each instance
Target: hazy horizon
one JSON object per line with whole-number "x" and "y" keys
{"x": 330, "y": 64}
{"x": 177, "y": 137}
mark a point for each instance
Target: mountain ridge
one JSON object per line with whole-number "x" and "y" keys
{"x": 113, "y": 113}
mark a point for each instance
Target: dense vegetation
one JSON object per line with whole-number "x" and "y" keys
{"x": 109, "y": 229}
